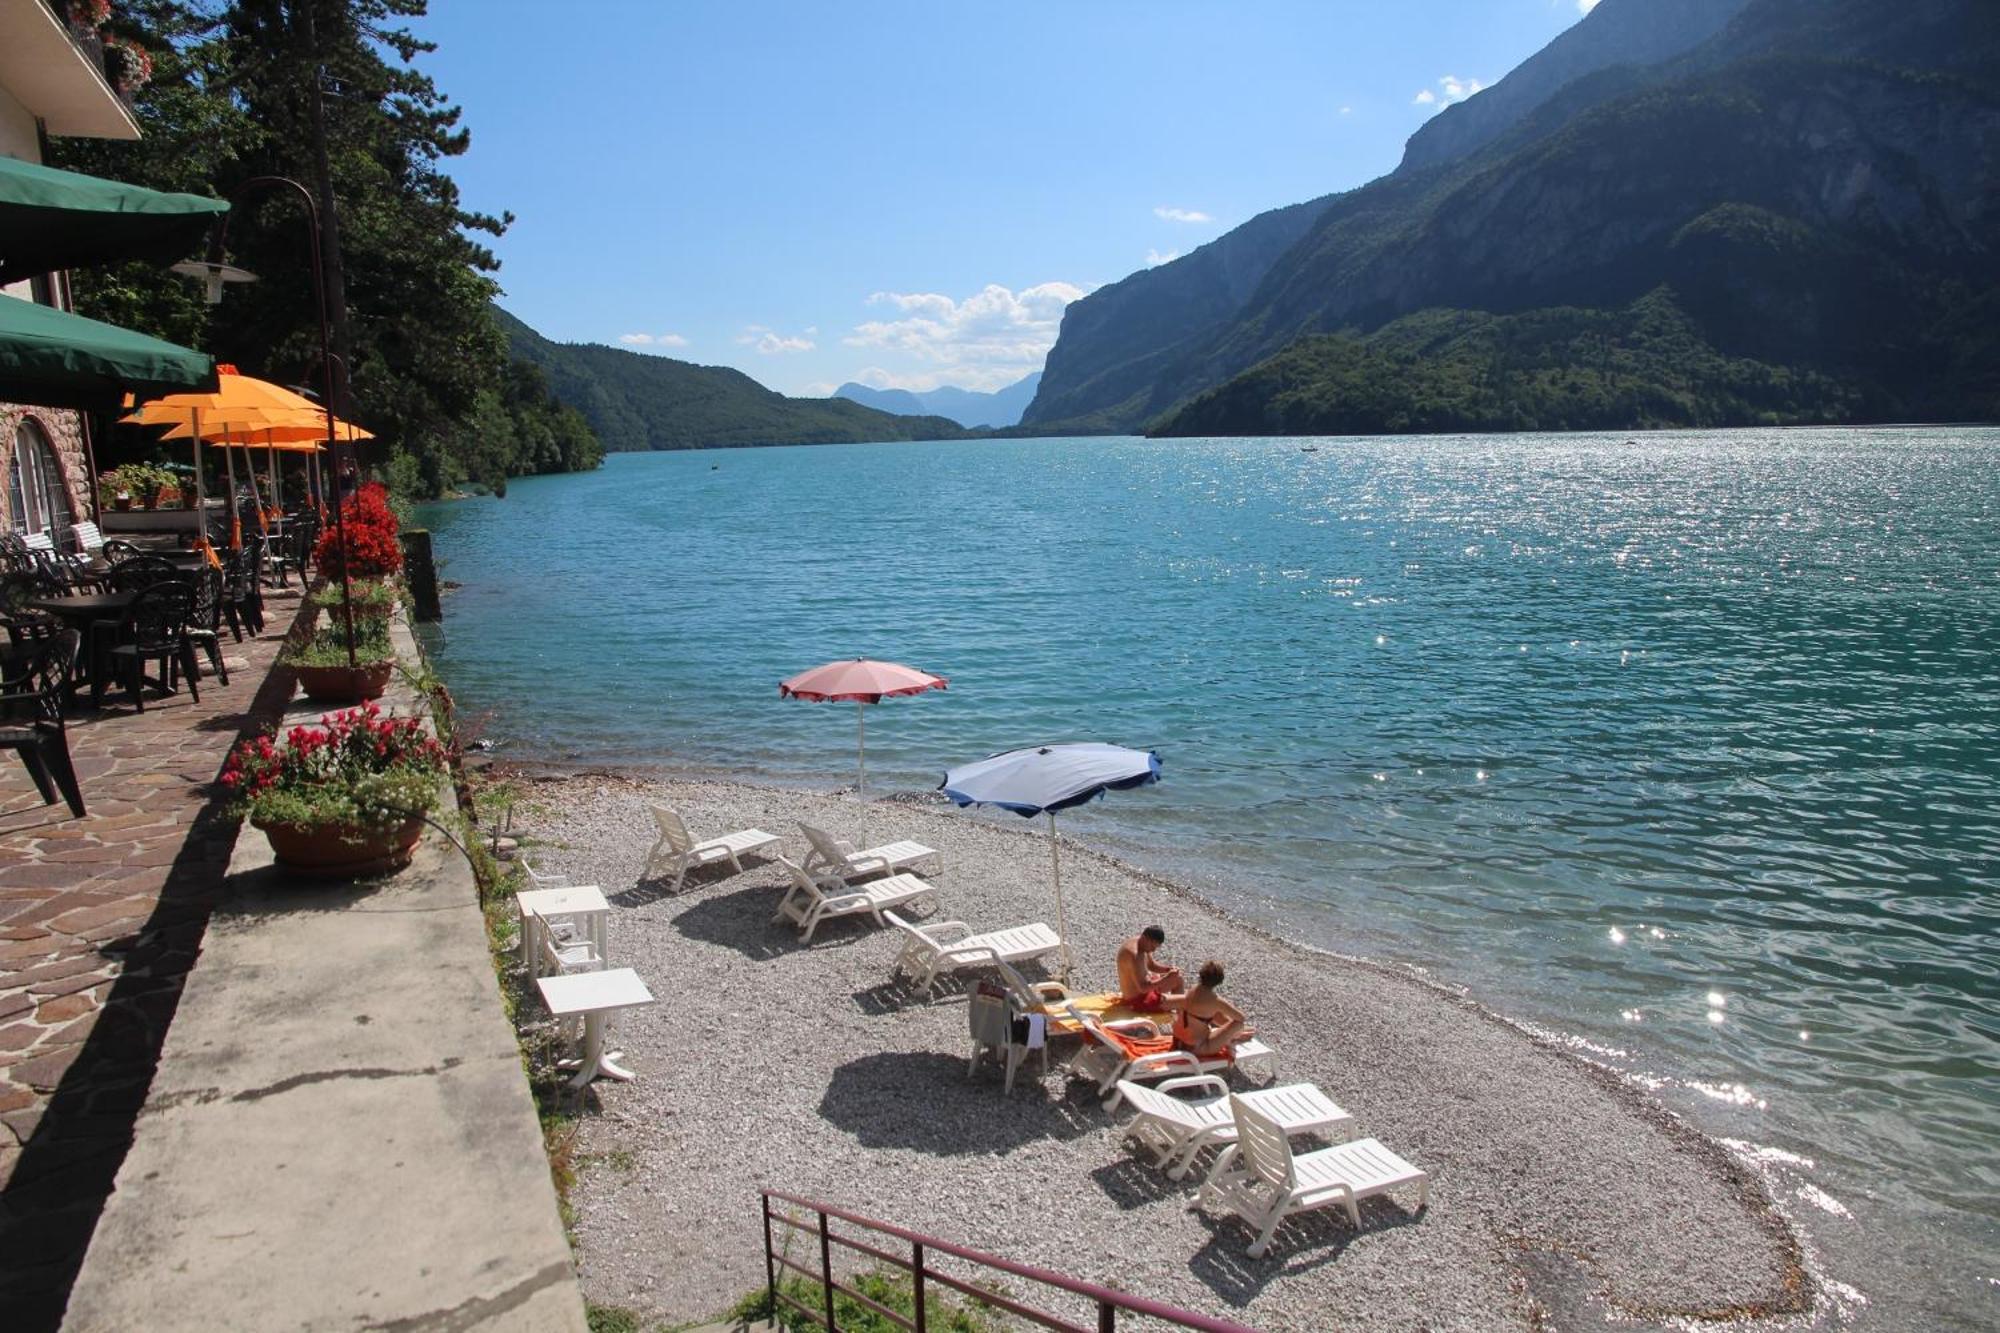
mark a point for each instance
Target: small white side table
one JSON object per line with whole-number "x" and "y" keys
{"x": 582, "y": 903}
{"x": 595, "y": 995}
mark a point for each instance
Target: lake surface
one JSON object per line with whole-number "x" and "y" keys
{"x": 1685, "y": 747}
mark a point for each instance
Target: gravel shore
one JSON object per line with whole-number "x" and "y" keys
{"x": 1559, "y": 1193}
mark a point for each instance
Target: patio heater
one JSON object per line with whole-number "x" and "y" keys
{"x": 216, "y": 274}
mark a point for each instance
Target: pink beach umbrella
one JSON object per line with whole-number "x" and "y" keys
{"x": 864, "y": 681}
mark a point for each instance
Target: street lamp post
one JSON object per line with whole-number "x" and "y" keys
{"x": 215, "y": 273}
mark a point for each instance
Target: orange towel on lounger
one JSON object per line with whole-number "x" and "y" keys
{"x": 1134, "y": 1046}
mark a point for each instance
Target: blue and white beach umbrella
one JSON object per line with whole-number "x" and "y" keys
{"x": 1042, "y": 779}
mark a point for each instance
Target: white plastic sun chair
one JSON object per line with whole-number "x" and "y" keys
{"x": 834, "y": 858}
{"x": 677, "y": 848}
{"x": 1177, "y": 1128}
{"x": 1103, "y": 1059}
{"x": 938, "y": 947}
{"x": 560, "y": 958}
{"x": 808, "y": 904}
{"x": 541, "y": 879}
{"x": 1259, "y": 1179}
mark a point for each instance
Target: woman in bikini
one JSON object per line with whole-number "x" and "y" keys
{"x": 1204, "y": 1022}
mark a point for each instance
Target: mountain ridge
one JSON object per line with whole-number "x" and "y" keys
{"x": 970, "y": 408}
{"x": 636, "y": 402}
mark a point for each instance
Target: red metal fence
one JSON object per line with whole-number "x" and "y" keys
{"x": 917, "y": 1264}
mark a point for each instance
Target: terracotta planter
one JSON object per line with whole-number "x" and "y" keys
{"x": 342, "y": 851}
{"x": 344, "y": 684}
{"x": 122, "y": 503}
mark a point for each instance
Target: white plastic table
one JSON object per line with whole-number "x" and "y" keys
{"x": 595, "y": 995}
{"x": 583, "y": 903}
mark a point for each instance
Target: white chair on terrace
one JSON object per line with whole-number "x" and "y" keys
{"x": 680, "y": 853}
{"x": 833, "y": 858}
{"x": 1177, "y": 1128}
{"x": 1259, "y": 1179}
{"x": 949, "y": 946}
{"x": 808, "y": 904}
{"x": 562, "y": 958}
{"x": 89, "y": 540}
{"x": 1135, "y": 1049}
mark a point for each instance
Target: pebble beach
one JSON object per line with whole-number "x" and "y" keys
{"x": 1560, "y": 1193}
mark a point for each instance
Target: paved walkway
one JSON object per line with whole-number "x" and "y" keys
{"x": 100, "y": 920}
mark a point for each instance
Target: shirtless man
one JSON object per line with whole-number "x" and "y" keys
{"x": 1142, "y": 983}
{"x": 1205, "y": 1023}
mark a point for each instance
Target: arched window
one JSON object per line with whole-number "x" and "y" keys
{"x": 37, "y": 500}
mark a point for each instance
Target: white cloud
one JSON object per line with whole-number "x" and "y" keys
{"x": 1347, "y": 111}
{"x": 1585, "y": 6}
{"x": 652, "y": 340}
{"x": 1166, "y": 214}
{"x": 770, "y": 343}
{"x": 1155, "y": 258}
{"x": 988, "y": 340}
{"x": 1450, "y": 89}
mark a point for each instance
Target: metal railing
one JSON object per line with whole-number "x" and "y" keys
{"x": 917, "y": 1264}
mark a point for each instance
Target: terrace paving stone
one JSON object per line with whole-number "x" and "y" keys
{"x": 100, "y": 919}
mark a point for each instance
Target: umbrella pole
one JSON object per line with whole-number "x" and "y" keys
{"x": 229, "y": 464}
{"x": 861, "y": 762}
{"x": 1062, "y": 918}
{"x": 200, "y": 493}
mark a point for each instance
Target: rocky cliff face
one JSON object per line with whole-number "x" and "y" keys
{"x": 1859, "y": 137}
{"x": 1617, "y": 32}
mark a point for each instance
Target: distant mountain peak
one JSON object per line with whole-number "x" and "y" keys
{"x": 968, "y": 407}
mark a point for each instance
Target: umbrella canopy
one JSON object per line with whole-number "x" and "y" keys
{"x": 52, "y": 219}
{"x": 1042, "y": 779}
{"x": 238, "y": 402}
{"x": 55, "y": 359}
{"x": 862, "y": 681}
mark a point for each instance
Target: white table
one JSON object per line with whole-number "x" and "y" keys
{"x": 595, "y": 995}
{"x": 582, "y": 903}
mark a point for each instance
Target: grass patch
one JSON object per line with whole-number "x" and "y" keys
{"x": 890, "y": 1289}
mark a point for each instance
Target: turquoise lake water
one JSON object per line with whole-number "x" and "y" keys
{"x": 1685, "y": 747}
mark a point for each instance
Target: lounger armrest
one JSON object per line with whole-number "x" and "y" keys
{"x": 1050, "y": 992}
{"x": 1167, "y": 1060}
{"x": 977, "y": 953}
{"x": 936, "y": 931}
{"x": 845, "y": 848}
{"x": 840, "y": 902}
{"x": 864, "y": 865}
{"x": 1211, "y": 1083}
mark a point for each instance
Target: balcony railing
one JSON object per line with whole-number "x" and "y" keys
{"x": 101, "y": 57}
{"x": 919, "y": 1263}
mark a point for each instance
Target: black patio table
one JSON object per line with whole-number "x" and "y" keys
{"x": 82, "y": 611}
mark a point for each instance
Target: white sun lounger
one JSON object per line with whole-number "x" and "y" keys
{"x": 833, "y": 858}
{"x": 1177, "y": 1128}
{"x": 947, "y": 946}
{"x": 1105, "y": 1061}
{"x": 680, "y": 853}
{"x": 808, "y": 904}
{"x": 1259, "y": 1179}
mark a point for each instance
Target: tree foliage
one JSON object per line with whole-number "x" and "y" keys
{"x": 233, "y": 97}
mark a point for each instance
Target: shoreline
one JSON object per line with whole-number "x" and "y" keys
{"x": 1536, "y": 1157}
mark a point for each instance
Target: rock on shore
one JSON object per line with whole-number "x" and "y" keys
{"x": 1559, "y": 1193}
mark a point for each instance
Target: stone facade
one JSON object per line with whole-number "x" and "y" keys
{"x": 65, "y": 431}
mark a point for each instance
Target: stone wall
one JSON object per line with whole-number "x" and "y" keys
{"x": 65, "y": 431}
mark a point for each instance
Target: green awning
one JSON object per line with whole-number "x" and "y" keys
{"x": 51, "y": 219}
{"x": 53, "y": 359}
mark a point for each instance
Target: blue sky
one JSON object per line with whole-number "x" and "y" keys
{"x": 908, "y": 194}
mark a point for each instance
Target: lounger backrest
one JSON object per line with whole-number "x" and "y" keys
{"x": 1261, "y": 1146}
{"x": 1152, "y": 1102}
{"x": 823, "y": 843}
{"x": 38, "y": 541}
{"x": 674, "y": 829}
{"x": 1024, "y": 994}
{"x": 800, "y": 879}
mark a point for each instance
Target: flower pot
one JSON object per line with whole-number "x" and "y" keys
{"x": 342, "y": 851}
{"x": 123, "y": 503}
{"x": 345, "y": 684}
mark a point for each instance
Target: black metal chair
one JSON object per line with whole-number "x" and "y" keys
{"x": 141, "y": 571}
{"x": 294, "y": 550}
{"x": 32, "y": 683}
{"x": 242, "y": 599}
{"x": 155, "y": 628}
{"x": 205, "y": 620}
{"x": 116, "y": 550}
